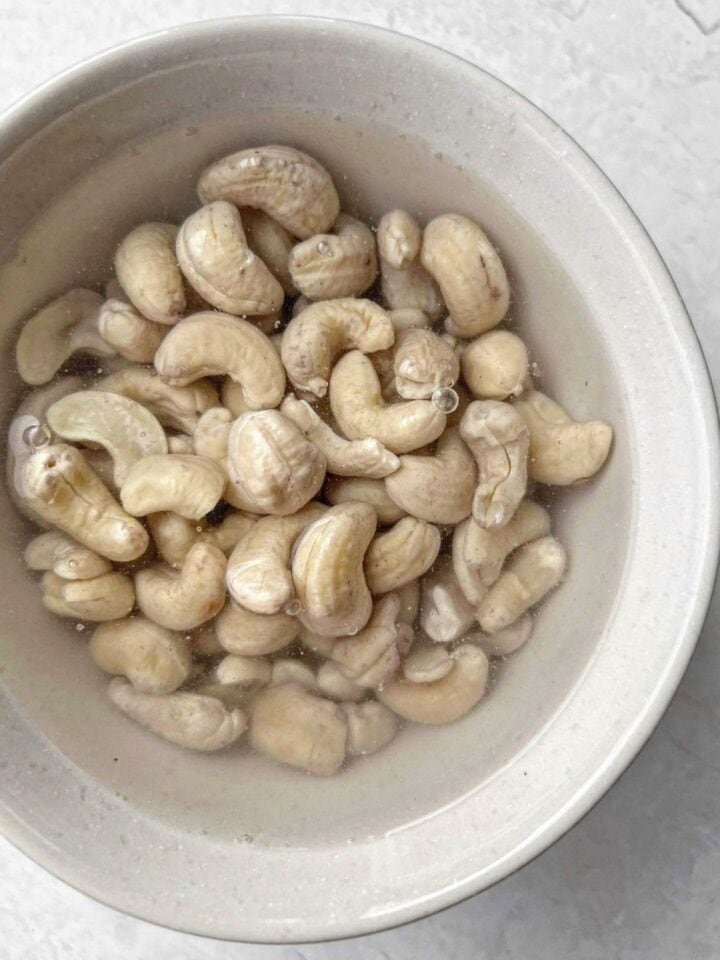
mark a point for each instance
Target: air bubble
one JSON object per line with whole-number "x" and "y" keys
{"x": 72, "y": 564}
{"x": 445, "y": 399}
{"x": 199, "y": 528}
{"x": 324, "y": 249}
{"x": 79, "y": 627}
{"x": 36, "y": 435}
{"x": 351, "y": 631}
{"x": 293, "y": 608}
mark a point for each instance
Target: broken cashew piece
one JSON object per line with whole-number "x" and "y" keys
{"x": 252, "y": 634}
{"x": 184, "y": 483}
{"x": 505, "y": 641}
{"x": 182, "y": 600}
{"x": 445, "y": 612}
{"x": 339, "y": 264}
{"x": 129, "y": 333}
{"x": 404, "y": 553}
{"x": 315, "y": 338}
{"x": 366, "y": 490}
{"x": 373, "y": 655}
{"x": 486, "y": 550}
{"x": 371, "y": 726}
{"x": 64, "y": 557}
{"x": 284, "y": 183}
{"x": 186, "y": 719}
{"x": 495, "y": 366}
{"x": 107, "y": 597}
{"x": 406, "y": 285}
{"x": 153, "y": 659}
{"x": 148, "y": 272}
{"x": 176, "y": 407}
{"x": 499, "y": 440}
{"x": 399, "y": 239}
{"x": 270, "y": 241}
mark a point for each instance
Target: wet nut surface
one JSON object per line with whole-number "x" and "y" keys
{"x": 283, "y": 470}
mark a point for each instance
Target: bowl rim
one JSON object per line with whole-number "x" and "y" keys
{"x": 38, "y": 107}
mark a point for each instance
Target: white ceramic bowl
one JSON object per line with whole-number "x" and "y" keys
{"x": 229, "y": 845}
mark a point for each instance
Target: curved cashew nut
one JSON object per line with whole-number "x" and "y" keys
{"x": 57, "y": 484}
{"x": 486, "y": 550}
{"x": 327, "y": 570}
{"x": 51, "y": 336}
{"x": 335, "y": 684}
{"x": 399, "y": 239}
{"x": 404, "y": 553}
{"x": 148, "y": 272}
{"x": 428, "y": 664}
{"x": 345, "y": 458}
{"x": 174, "y": 407}
{"x": 270, "y": 241}
{"x": 174, "y": 535}
{"x": 506, "y": 641}
{"x": 126, "y": 429}
{"x": 360, "y": 411}
{"x": 129, "y": 333}
{"x": 562, "y": 451}
{"x": 296, "y": 727}
{"x": 107, "y": 597}
{"x": 444, "y": 700}
{"x": 373, "y": 655}
{"x": 499, "y": 441}
{"x": 182, "y": 600}
{"x": 468, "y": 578}
{"x": 405, "y": 282}
{"x": 371, "y": 726}
{"x": 438, "y": 488}
{"x": 186, "y": 719}
{"x": 213, "y": 344}
{"x": 319, "y": 334}
{"x": 258, "y": 571}
{"x": 64, "y": 557}
{"x": 445, "y": 613}
{"x": 423, "y": 362}
{"x": 365, "y": 490}
{"x": 461, "y": 258}
{"x": 242, "y": 671}
{"x": 274, "y": 468}
{"x": 153, "y": 659}
{"x": 253, "y": 634}
{"x": 232, "y": 397}
{"x": 291, "y": 670}
{"x": 495, "y": 366}
{"x": 214, "y": 255}
{"x": 535, "y": 570}
{"x": 285, "y": 183}
{"x": 407, "y": 318}
{"x": 340, "y": 264}
{"x": 184, "y": 483}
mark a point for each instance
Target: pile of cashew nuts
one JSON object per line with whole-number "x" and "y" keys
{"x": 292, "y": 502}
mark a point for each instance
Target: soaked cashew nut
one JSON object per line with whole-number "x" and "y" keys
{"x": 468, "y": 578}
{"x": 129, "y": 333}
{"x": 274, "y": 468}
{"x": 399, "y": 239}
{"x": 360, "y": 411}
{"x": 174, "y": 535}
{"x": 405, "y": 282}
{"x": 272, "y": 243}
{"x": 373, "y": 655}
{"x": 407, "y": 318}
{"x": 345, "y": 458}
{"x": 327, "y": 570}
{"x": 57, "y": 484}
{"x": 562, "y": 451}
{"x": 333, "y": 683}
{"x": 294, "y": 726}
{"x": 290, "y": 670}
{"x": 126, "y": 429}
{"x": 148, "y": 272}
{"x": 51, "y": 336}
{"x": 174, "y": 407}
{"x": 423, "y": 362}
{"x": 241, "y": 671}
{"x": 179, "y": 443}
{"x": 214, "y": 255}
{"x": 182, "y": 600}
{"x": 210, "y": 438}
{"x": 486, "y": 550}
{"x": 428, "y": 664}
{"x": 153, "y": 659}
{"x": 315, "y": 338}
{"x": 371, "y": 726}
{"x": 339, "y": 264}
{"x": 499, "y": 441}
{"x": 106, "y": 597}
{"x": 495, "y": 366}
{"x": 535, "y": 570}
{"x": 253, "y": 634}
{"x": 445, "y": 613}
{"x": 285, "y": 183}
{"x": 444, "y": 700}
{"x": 506, "y": 641}
{"x": 461, "y": 258}
{"x": 184, "y": 483}
{"x": 258, "y": 571}
{"x": 366, "y": 490}
{"x": 214, "y": 344}
{"x": 186, "y": 719}
{"x": 405, "y": 552}
{"x": 438, "y": 488}
{"x": 64, "y": 557}
{"x": 232, "y": 397}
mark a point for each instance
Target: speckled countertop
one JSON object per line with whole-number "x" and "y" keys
{"x": 637, "y": 83}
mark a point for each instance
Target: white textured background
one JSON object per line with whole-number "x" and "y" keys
{"x": 637, "y": 83}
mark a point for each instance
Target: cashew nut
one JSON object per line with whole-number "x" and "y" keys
{"x": 213, "y": 344}
{"x": 174, "y": 407}
{"x": 335, "y": 684}
{"x": 444, "y": 700}
{"x": 461, "y": 258}
{"x": 486, "y": 550}
{"x": 291, "y": 670}
{"x": 232, "y": 397}
{"x": 242, "y": 671}
{"x": 445, "y": 613}
{"x": 182, "y": 600}
{"x": 179, "y": 443}
{"x": 288, "y": 185}
{"x": 174, "y": 535}
{"x": 428, "y": 664}
{"x": 405, "y": 283}
{"x": 340, "y": 264}
{"x": 51, "y": 336}
{"x": 327, "y": 570}
{"x": 423, "y": 362}
{"x": 438, "y": 488}
{"x": 184, "y": 483}
{"x": 535, "y": 570}
{"x": 272, "y": 243}
{"x": 407, "y": 318}
{"x": 258, "y": 571}
{"x": 366, "y": 490}
{"x": 148, "y": 272}
{"x": 106, "y": 597}
{"x": 468, "y": 578}
{"x": 129, "y": 333}
{"x": 296, "y": 727}
{"x": 153, "y": 659}
{"x": 371, "y": 726}
{"x": 360, "y": 411}
{"x": 506, "y": 641}
{"x": 186, "y": 719}
{"x": 399, "y": 239}
{"x": 253, "y": 634}
{"x": 315, "y": 338}
{"x": 126, "y": 429}
{"x": 373, "y": 655}
{"x": 563, "y": 451}
{"x": 274, "y": 468}
{"x": 214, "y": 255}
{"x": 64, "y": 557}
{"x": 495, "y": 366}
{"x": 499, "y": 441}
{"x": 405, "y": 552}
{"x": 210, "y": 438}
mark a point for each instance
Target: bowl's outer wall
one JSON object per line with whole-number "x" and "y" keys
{"x": 230, "y": 845}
